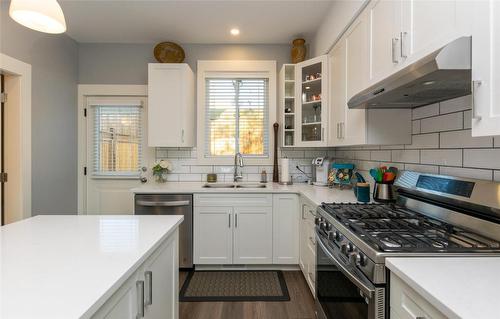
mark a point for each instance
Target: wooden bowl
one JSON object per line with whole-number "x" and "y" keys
{"x": 169, "y": 52}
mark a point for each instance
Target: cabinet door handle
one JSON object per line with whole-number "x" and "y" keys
{"x": 229, "y": 225}
{"x": 322, "y": 134}
{"x": 235, "y": 220}
{"x": 403, "y": 35}
{"x": 303, "y": 211}
{"x": 149, "y": 288}
{"x": 474, "y": 84}
{"x": 140, "y": 299}
{"x": 182, "y": 135}
{"x": 394, "y": 46}
{"x": 338, "y": 125}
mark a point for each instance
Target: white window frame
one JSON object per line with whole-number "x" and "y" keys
{"x": 234, "y": 69}
{"x": 93, "y": 102}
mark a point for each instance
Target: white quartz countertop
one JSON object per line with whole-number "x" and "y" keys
{"x": 458, "y": 287}
{"x": 316, "y": 194}
{"x": 68, "y": 266}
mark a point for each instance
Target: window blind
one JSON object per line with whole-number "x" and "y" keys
{"x": 237, "y": 112}
{"x": 117, "y": 134}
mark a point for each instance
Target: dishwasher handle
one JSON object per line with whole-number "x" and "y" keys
{"x": 163, "y": 203}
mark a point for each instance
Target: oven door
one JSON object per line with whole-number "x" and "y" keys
{"x": 341, "y": 290}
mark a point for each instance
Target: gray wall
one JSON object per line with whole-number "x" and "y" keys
{"x": 127, "y": 63}
{"x": 54, "y": 62}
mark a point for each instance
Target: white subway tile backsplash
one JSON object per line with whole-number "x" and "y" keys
{"x": 405, "y": 156}
{"x": 392, "y": 147}
{"x": 467, "y": 119}
{"x": 431, "y": 169}
{"x": 441, "y": 157}
{"x": 448, "y": 122}
{"x": 381, "y": 156}
{"x": 361, "y": 155}
{"x": 223, "y": 169}
{"x": 179, "y": 153}
{"x": 496, "y": 176}
{"x": 463, "y": 139}
{"x": 497, "y": 141}
{"x": 454, "y": 105}
{"x": 425, "y": 111}
{"x": 415, "y": 129}
{"x": 466, "y": 172}
{"x": 190, "y": 177}
{"x": 482, "y": 158}
{"x": 292, "y": 153}
{"x": 202, "y": 169}
{"x": 424, "y": 141}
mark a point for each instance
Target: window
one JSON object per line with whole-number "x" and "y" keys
{"x": 237, "y": 112}
{"x": 117, "y": 139}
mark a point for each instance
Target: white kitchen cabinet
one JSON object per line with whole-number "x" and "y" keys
{"x": 253, "y": 235}
{"x": 233, "y": 229}
{"x": 156, "y": 280}
{"x": 286, "y": 235}
{"x": 307, "y": 256}
{"x": 161, "y": 282}
{"x": 486, "y": 68}
{"x": 349, "y": 68}
{"x": 385, "y": 23}
{"x": 286, "y": 105}
{"x": 171, "y": 115}
{"x": 406, "y": 303}
{"x": 311, "y": 102}
{"x": 426, "y": 26}
{"x": 213, "y": 235}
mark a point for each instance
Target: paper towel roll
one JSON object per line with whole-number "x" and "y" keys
{"x": 285, "y": 170}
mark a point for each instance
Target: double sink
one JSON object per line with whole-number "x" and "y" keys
{"x": 234, "y": 185}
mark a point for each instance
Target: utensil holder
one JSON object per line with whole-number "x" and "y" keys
{"x": 383, "y": 193}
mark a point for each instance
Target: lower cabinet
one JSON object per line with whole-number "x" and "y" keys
{"x": 406, "y": 303}
{"x": 307, "y": 258}
{"x": 246, "y": 229}
{"x": 152, "y": 291}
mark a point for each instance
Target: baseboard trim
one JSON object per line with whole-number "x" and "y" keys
{"x": 248, "y": 267}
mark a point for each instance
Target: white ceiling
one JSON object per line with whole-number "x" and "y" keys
{"x": 146, "y": 21}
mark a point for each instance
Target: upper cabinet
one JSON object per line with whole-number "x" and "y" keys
{"x": 171, "y": 115}
{"x": 485, "y": 68}
{"x": 287, "y": 105}
{"x": 349, "y": 74}
{"x": 311, "y": 95}
{"x": 385, "y": 24}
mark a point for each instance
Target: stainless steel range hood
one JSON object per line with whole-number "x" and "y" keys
{"x": 441, "y": 75}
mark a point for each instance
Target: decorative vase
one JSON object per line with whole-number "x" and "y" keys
{"x": 298, "y": 50}
{"x": 160, "y": 177}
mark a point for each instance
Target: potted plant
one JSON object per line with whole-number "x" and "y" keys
{"x": 160, "y": 170}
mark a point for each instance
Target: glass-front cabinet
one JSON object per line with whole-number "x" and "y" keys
{"x": 311, "y": 105}
{"x": 287, "y": 105}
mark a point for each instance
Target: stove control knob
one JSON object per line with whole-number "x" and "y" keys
{"x": 318, "y": 220}
{"x": 350, "y": 248}
{"x": 337, "y": 235}
{"x": 328, "y": 226}
{"x": 357, "y": 259}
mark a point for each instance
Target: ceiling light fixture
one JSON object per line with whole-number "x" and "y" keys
{"x": 44, "y": 16}
{"x": 235, "y": 31}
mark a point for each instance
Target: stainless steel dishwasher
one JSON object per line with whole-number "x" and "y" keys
{"x": 175, "y": 204}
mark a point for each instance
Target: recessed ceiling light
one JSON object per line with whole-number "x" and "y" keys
{"x": 235, "y": 31}
{"x": 308, "y": 87}
{"x": 429, "y": 83}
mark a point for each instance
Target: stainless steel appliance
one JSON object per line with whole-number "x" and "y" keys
{"x": 172, "y": 204}
{"x": 441, "y": 75}
{"x": 433, "y": 216}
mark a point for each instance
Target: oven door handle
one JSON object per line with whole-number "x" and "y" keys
{"x": 363, "y": 287}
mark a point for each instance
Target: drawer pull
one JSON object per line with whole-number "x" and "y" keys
{"x": 149, "y": 287}
{"x": 140, "y": 299}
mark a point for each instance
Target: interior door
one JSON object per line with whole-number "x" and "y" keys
{"x": 253, "y": 235}
{"x": 116, "y": 151}
{"x": 2, "y": 178}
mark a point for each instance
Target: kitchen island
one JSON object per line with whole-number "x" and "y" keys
{"x": 89, "y": 267}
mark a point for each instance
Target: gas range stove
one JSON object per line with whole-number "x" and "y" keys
{"x": 433, "y": 216}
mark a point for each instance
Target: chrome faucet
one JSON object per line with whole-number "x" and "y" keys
{"x": 238, "y": 161}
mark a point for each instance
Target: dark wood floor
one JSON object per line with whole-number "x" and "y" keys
{"x": 300, "y": 306}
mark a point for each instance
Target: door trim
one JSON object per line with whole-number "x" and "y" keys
{"x": 85, "y": 90}
{"x": 22, "y": 71}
